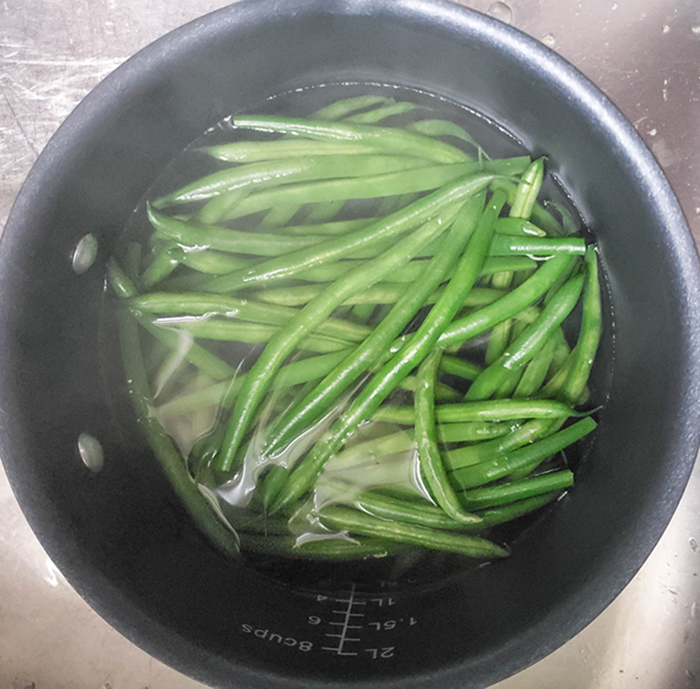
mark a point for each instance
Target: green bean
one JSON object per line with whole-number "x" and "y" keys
{"x": 443, "y": 392}
{"x": 278, "y": 216}
{"x": 161, "y": 444}
{"x": 589, "y": 337}
{"x": 331, "y": 229}
{"x": 213, "y": 262}
{"x": 540, "y": 216}
{"x": 132, "y": 261}
{"x": 272, "y": 484}
{"x": 320, "y": 549}
{"x": 204, "y": 360}
{"x": 119, "y": 281}
{"x": 391, "y": 204}
{"x": 382, "y": 113}
{"x": 509, "y": 383}
{"x": 363, "y": 312}
{"x": 382, "y": 293}
{"x": 274, "y": 217}
{"x": 536, "y": 371}
{"x": 287, "y": 338}
{"x": 491, "y": 496}
{"x": 258, "y": 151}
{"x": 370, "y": 351}
{"x": 442, "y": 128}
{"x": 429, "y": 459}
{"x": 162, "y": 265}
{"x": 504, "y": 245}
{"x": 513, "y": 303}
{"x": 241, "y": 331}
{"x": 387, "y": 138}
{"x": 527, "y": 345}
{"x": 426, "y": 178}
{"x": 518, "y": 226}
{"x": 403, "y": 441}
{"x": 487, "y": 410}
{"x": 325, "y": 211}
{"x": 347, "y": 106}
{"x": 500, "y": 335}
{"x": 338, "y": 247}
{"x": 528, "y": 190}
{"x": 394, "y": 508}
{"x": 233, "y": 180}
{"x": 506, "y": 513}
{"x": 500, "y": 467}
{"x": 367, "y": 525}
{"x": 225, "y": 239}
{"x": 223, "y": 394}
{"x": 194, "y": 304}
{"x": 454, "y": 366}
{"x": 383, "y": 382}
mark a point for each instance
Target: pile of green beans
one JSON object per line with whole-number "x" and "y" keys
{"x": 331, "y": 386}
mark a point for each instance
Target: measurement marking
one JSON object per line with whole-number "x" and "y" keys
{"x": 350, "y": 600}
{"x": 338, "y": 651}
{"x": 344, "y": 638}
{"x": 345, "y": 626}
{"x": 345, "y": 613}
{"x": 350, "y": 626}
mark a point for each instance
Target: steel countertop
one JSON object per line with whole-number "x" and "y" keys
{"x": 644, "y": 54}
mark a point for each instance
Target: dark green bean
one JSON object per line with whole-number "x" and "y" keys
{"x": 367, "y": 525}
{"x": 509, "y": 306}
{"x": 491, "y": 496}
{"x": 161, "y": 444}
{"x": 500, "y": 467}
{"x": 506, "y": 513}
{"x": 394, "y": 508}
{"x": 488, "y": 410}
{"x": 429, "y": 459}
{"x": 529, "y": 343}
{"x": 319, "y": 549}
{"x": 585, "y": 350}
{"x": 454, "y": 366}
{"x": 536, "y": 370}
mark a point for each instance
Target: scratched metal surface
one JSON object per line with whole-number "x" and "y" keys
{"x": 645, "y": 54}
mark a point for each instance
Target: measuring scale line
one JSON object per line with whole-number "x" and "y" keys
{"x": 345, "y": 626}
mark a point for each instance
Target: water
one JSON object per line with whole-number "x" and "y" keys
{"x": 198, "y": 428}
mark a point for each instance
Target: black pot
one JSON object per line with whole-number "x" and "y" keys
{"x": 120, "y": 536}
